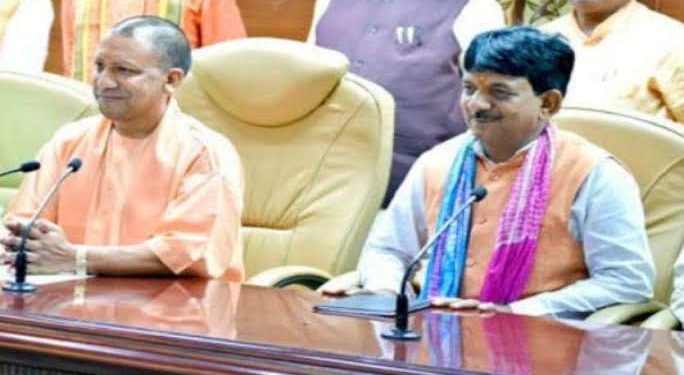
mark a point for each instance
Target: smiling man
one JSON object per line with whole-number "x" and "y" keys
{"x": 158, "y": 193}
{"x": 561, "y": 231}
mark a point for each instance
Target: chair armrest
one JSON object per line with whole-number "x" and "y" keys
{"x": 341, "y": 283}
{"x": 663, "y": 319}
{"x": 280, "y": 277}
{"x": 623, "y": 313}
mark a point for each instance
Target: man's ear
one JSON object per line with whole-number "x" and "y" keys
{"x": 551, "y": 103}
{"x": 174, "y": 77}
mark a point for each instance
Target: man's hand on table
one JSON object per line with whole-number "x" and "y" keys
{"x": 468, "y": 304}
{"x": 47, "y": 249}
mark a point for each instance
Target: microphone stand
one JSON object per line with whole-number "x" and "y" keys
{"x": 400, "y": 331}
{"x": 19, "y": 285}
{"x": 29, "y": 166}
{"x": 11, "y": 171}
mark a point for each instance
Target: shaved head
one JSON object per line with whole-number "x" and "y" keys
{"x": 160, "y": 35}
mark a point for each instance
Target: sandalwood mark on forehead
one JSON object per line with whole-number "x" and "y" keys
{"x": 481, "y": 79}
{"x": 487, "y": 79}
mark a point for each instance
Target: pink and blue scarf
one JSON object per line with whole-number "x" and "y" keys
{"x": 518, "y": 233}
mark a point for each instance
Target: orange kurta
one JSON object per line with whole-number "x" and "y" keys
{"x": 85, "y": 23}
{"x": 559, "y": 259}
{"x": 179, "y": 190}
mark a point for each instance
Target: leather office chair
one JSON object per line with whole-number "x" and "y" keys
{"x": 653, "y": 150}
{"x": 663, "y": 319}
{"x": 315, "y": 142}
{"x": 666, "y": 318}
{"x": 34, "y": 106}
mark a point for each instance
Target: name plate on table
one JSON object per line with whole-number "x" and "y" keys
{"x": 367, "y": 305}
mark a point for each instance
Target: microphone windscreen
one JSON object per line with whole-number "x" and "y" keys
{"x": 479, "y": 193}
{"x": 29, "y": 166}
{"x": 75, "y": 164}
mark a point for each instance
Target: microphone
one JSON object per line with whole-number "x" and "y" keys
{"x": 19, "y": 285}
{"x": 29, "y": 166}
{"x": 400, "y": 330}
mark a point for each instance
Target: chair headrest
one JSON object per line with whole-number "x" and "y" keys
{"x": 267, "y": 81}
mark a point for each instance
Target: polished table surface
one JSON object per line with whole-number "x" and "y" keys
{"x": 194, "y": 326}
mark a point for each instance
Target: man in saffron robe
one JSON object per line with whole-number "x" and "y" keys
{"x": 561, "y": 230}
{"x": 158, "y": 194}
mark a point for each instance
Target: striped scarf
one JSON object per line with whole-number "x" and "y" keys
{"x": 518, "y": 233}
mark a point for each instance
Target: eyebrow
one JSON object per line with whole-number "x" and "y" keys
{"x": 501, "y": 85}
{"x": 119, "y": 62}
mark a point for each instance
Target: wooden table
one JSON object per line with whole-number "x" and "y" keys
{"x": 192, "y": 326}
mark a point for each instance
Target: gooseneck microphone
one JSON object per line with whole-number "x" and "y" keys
{"x": 19, "y": 285}
{"x": 29, "y": 166}
{"x": 400, "y": 330}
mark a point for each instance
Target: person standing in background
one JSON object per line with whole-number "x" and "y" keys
{"x": 628, "y": 57}
{"x": 408, "y": 47}
{"x": 84, "y": 23}
{"x": 533, "y": 12}
{"x": 24, "y": 34}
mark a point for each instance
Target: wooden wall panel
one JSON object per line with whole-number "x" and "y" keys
{"x": 54, "y": 62}
{"x": 673, "y": 8}
{"x": 277, "y": 18}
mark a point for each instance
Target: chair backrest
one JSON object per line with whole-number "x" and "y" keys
{"x": 653, "y": 150}
{"x": 34, "y": 106}
{"x": 315, "y": 142}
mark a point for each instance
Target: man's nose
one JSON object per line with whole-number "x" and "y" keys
{"x": 478, "y": 102}
{"x": 104, "y": 80}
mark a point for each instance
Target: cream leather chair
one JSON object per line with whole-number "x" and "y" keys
{"x": 666, "y": 318}
{"x": 315, "y": 142}
{"x": 33, "y": 107}
{"x": 653, "y": 150}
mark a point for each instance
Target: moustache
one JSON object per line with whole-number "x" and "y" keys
{"x": 485, "y": 116}
{"x": 110, "y": 96}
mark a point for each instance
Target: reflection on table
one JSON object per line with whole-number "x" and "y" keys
{"x": 194, "y": 325}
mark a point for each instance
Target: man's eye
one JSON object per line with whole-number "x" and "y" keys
{"x": 125, "y": 70}
{"x": 99, "y": 67}
{"x": 469, "y": 90}
{"x": 501, "y": 94}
